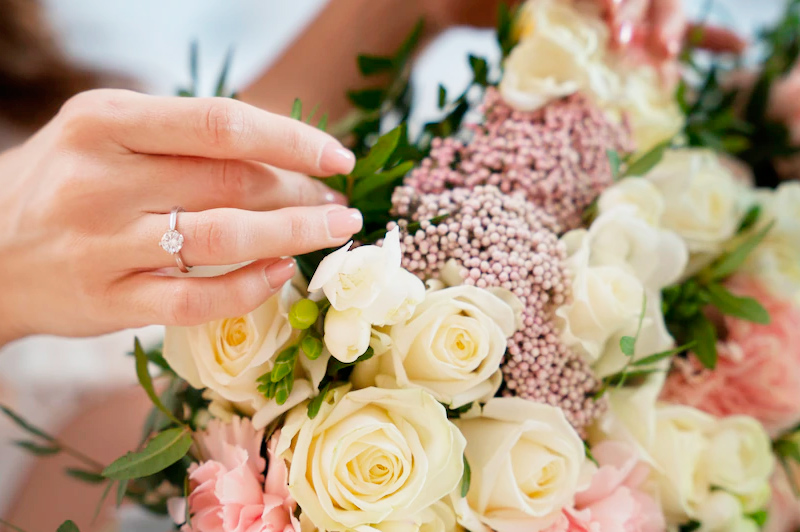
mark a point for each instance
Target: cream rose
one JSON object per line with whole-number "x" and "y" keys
{"x": 639, "y": 194}
{"x": 702, "y": 200}
{"x": 452, "y": 347}
{"x": 527, "y": 462}
{"x": 722, "y": 512}
{"x": 370, "y": 456}
{"x": 740, "y": 459}
{"x": 369, "y": 279}
{"x": 438, "y": 517}
{"x": 227, "y": 356}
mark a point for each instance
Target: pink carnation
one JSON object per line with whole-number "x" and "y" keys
{"x": 228, "y": 490}
{"x": 614, "y": 501}
{"x": 758, "y": 371}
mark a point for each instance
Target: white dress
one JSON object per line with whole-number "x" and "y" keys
{"x": 149, "y": 41}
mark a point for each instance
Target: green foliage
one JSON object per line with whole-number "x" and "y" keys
{"x": 732, "y": 260}
{"x": 37, "y": 449}
{"x": 787, "y": 450}
{"x": 67, "y": 526}
{"x": 122, "y": 489}
{"x": 303, "y": 314}
{"x": 466, "y": 478}
{"x": 311, "y": 346}
{"x": 745, "y": 308}
{"x": 657, "y": 357}
{"x": 704, "y": 335}
{"x": 220, "y": 88}
{"x": 336, "y": 366}
{"x": 85, "y": 476}
{"x": 648, "y": 160}
{"x": 146, "y": 381}
{"x": 161, "y": 452}
{"x": 759, "y": 517}
{"x": 24, "y": 425}
{"x": 750, "y": 219}
{"x": 615, "y": 162}
{"x": 316, "y": 403}
{"x": 455, "y": 413}
{"x": 297, "y": 114}
{"x": 505, "y": 28}
{"x": 12, "y": 526}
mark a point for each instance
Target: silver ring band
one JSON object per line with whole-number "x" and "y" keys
{"x": 172, "y": 240}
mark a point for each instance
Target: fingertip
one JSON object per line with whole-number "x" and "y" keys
{"x": 336, "y": 159}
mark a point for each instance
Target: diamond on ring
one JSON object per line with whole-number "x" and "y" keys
{"x": 172, "y": 242}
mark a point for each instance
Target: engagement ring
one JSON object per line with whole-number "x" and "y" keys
{"x": 172, "y": 241}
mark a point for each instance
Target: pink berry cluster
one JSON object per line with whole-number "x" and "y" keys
{"x": 557, "y": 155}
{"x": 502, "y": 240}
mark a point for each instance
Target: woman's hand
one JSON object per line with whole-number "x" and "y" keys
{"x": 85, "y": 201}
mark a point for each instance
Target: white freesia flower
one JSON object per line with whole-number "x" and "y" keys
{"x": 776, "y": 260}
{"x": 227, "y": 356}
{"x": 370, "y": 279}
{"x": 702, "y": 200}
{"x": 527, "y": 462}
{"x": 639, "y": 194}
{"x": 347, "y": 334}
{"x": 740, "y": 459}
{"x": 370, "y": 456}
{"x": 452, "y": 346}
{"x": 722, "y": 512}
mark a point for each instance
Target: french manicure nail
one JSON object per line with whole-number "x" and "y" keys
{"x": 277, "y": 274}
{"x": 336, "y": 159}
{"x": 344, "y": 222}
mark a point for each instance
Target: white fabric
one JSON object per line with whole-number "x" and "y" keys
{"x": 149, "y": 40}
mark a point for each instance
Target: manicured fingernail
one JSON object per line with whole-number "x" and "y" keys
{"x": 277, "y": 274}
{"x": 344, "y": 222}
{"x": 332, "y": 196}
{"x": 336, "y": 159}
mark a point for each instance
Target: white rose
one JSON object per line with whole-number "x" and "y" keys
{"x": 452, "y": 347}
{"x": 438, "y": 517}
{"x": 370, "y": 456}
{"x": 740, "y": 460}
{"x": 370, "y": 279}
{"x": 228, "y": 356}
{"x": 701, "y": 199}
{"x": 639, "y": 194}
{"x": 347, "y": 334}
{"x": 527, "y": 462}
{"x": 722, "y": 512}
{"x": 680, "y": 451}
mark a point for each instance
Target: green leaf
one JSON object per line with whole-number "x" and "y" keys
{"x": 322, "y": 125}
{"x": 442, "y": 101}
{"x": 407, "y": 48}
{"x": 122, "y": 489}
{"x": 367, "y": 99}
{"x": 183, "y": 93}
{"x": 223, "y": 75}
{"x": 315, "y": 403}
{"x": 702, "y": 332}
{"x": 303, "y": 314}
{"x": 730, "y": 262}
{"x": 745, "y": 308}
{"x": 480, "y": 70}
{"x": 655, "y": 357}
{"x": 615, "y": 162}
{"x": 369, "y": 65}
{"x": 366, "y": 185}
{"x": 312, "y": 113}
{"x": 160, "y": 453}
{"x": 284, "y": 388}
{"x": 85, "y": 476}
{"x": 588, "y": 452}
{"x": 627, "y": 345}
{"x": 103, "y": 497}
{"x": 68, "y": 526}
{"x": 38, "y": 450}
{"x": 146, "y": 381}
{"x": 24, "y": 425}
{"x": 379, "y": 154}
{"x": 312, "y": 347}
{"x": 297, "y": 110}
{"x": 759, "y": 517}
{"x": 750, "y": 218}
{"x": 466, "y": 479}
{"x": 505, "y": 26}
{"x": 649, "y": 160}
{"x": 11, "y": 526}
{"x": 334, "y": 366}
{"x": 284, "y": 364}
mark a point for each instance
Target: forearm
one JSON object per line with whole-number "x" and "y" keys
{"x": 320, "y": 66}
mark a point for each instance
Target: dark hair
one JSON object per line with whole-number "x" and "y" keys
{"x": 35, "y": 78}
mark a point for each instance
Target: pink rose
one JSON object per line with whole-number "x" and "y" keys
{"x": 783, "y": 514}
{"x": 228, "y": 490}
{"x": 758, "y": 371}
{"x": 614, "y": 502}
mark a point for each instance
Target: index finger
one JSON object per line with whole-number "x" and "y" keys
{"x": 223, "y": 128}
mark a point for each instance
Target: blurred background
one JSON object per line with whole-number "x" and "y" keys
{"x": 146, "y": 44}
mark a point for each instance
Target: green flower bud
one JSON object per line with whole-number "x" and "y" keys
{"x": 303, "y": 314}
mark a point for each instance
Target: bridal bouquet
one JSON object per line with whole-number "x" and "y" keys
{"x": 571, "y": 309}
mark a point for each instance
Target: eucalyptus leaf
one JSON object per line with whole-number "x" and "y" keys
{"x": 315, "y": 403}
{"x": 730, "y": 262}
{"x": 480, "y": 70}
{"x": 161, "y": 452}
{"x": 745, "y": 308}
{"x": 67, "y": 526}
{"x": 750, "y": 218}
{"x": 442, "y": 100}
{"x": 367, "y": 99}
{"x": 702, "y": 332}
{"x": 11, "y": 526}
{"x": 466, "y": 478}
{"x": 146, "y": 381}
{"x": 379, "y": 154}
{"x": 656, "y": 357}
{"x": 99, "y": 507}
{"x": 24, "y": 425}
{"x": 366, "y": 185}
{"x": 627, "y": 345}
{"x": 370, "y": 65}
{"x": 122, "y": 489}
{"x": 85, "y": 476}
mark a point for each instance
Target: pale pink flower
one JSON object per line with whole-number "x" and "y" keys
{"x": 614, "y": 501}
{"x": 229, "y": 492}
{"x": 783, "y": 514}
{"x": 758, "y": 371}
